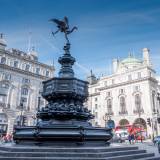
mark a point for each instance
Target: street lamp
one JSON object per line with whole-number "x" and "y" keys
{"x": 39, "y": 101}
{"x": 21, "y": 109}
{"x": 106, "y": 117}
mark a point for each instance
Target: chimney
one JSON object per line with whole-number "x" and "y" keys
{"x": 92, "y": 78}
{"x": 2, "y": 42}
{"x": 146, "y": 57}
{"x": 115, "y": 64}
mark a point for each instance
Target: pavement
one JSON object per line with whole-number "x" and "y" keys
{"x": 145, "y": 145}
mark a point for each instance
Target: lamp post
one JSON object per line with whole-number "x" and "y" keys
{"x": 21, "y": 115}
{"x": 106, "y": 117}
{"x": 39, "y": 101}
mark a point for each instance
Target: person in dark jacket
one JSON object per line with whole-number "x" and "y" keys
{"x": 129, "y": 138}
{"x": 132, "y": 138}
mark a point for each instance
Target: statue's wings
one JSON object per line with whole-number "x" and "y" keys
{"x": 57, "y": 21}
{"x": 66, "y": 21}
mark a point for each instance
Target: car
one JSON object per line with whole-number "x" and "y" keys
{"x": 156, "y": 139}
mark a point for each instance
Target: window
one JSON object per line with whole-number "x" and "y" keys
{"x": 3, "y": 98}
{"x": 136, "y": 88}
{"x": 37, "y": 70}
{"x": 139, "y": 74}
{"x": 105, "y": 83}
{"x": 129, "y": 77}
{"x": 47, "y": 73}
{"x": 96, "y": 99}
{"x": 109, "y": 106}
{"x": 108, "y": 94}
{"x": 138, "y": 101}
{"x": 96, "y": 115}
{"x": 15, "y": 64}
{"x": 138, "y": 108}
{"x": 4, "y": 85}
{"x": 123, "y": 105}
{"x": 23, "y": 102}
{"x": 96, "y": 106}
{"x": 121, "y": 91}
{"x": 24, "y": 91}
{"x": 112, "y": 81}
{"x": 6, "y": 76}
{"x": 3, "y": 60}
{"x": 26, "y": 80}
{"x": 27, "y": 67}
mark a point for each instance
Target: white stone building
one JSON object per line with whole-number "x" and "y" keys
{"x": 128, "y": 96}
{"x": 21, "y": 77}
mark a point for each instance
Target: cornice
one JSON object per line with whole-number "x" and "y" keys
{"x": 94, "y": 94}
{"x": 127, "y": 72}
{"x": 129, "y": 82}
{"x": 26, "y": 59}
{"x": 17, "y": 70}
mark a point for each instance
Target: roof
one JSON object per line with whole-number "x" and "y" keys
{"x": 130, "y": 60}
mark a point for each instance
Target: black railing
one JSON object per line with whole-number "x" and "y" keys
{"x": 123, "y": 112}
{"x": 4, "y": 105}
{"x": 138, "y": 111}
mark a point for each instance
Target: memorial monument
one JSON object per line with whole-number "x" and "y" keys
{"x": 64, "y": 121}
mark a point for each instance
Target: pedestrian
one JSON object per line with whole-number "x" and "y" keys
{"x": 132, "y": 138}
{"x": 129, "y": 138}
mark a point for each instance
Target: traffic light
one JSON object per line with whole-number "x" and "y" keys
{"x": 149, "y": 121}
{"x": 24, "y": 121}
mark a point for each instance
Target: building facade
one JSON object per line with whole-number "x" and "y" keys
{"x": 21, "y": 77}
{"x": 128, "y": 96}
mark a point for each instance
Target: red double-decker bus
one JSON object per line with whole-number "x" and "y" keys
{"x": 138, "y": 131}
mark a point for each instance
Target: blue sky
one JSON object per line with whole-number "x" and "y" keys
{"x": 107, "y": 29}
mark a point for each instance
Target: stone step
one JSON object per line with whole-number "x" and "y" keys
{"x": 80, "y": 150}
{"x": 151, "y": 158}
{"x": 71, "y": 154}
{"x": 129, "y": 157}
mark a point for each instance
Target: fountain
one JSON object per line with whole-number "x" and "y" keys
{"x": 64, "y": 121}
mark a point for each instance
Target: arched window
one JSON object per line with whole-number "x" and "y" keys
{"x": 137, "y": 101}
{"x": 24, "y": 91}
{"x": 122, "y": 106}
{"x": 123, "y": 122}
{"x": 109, "y": 106}
{"x": 3, "y": 60}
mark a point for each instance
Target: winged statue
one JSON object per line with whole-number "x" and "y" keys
{"x": 63, "y": 26}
